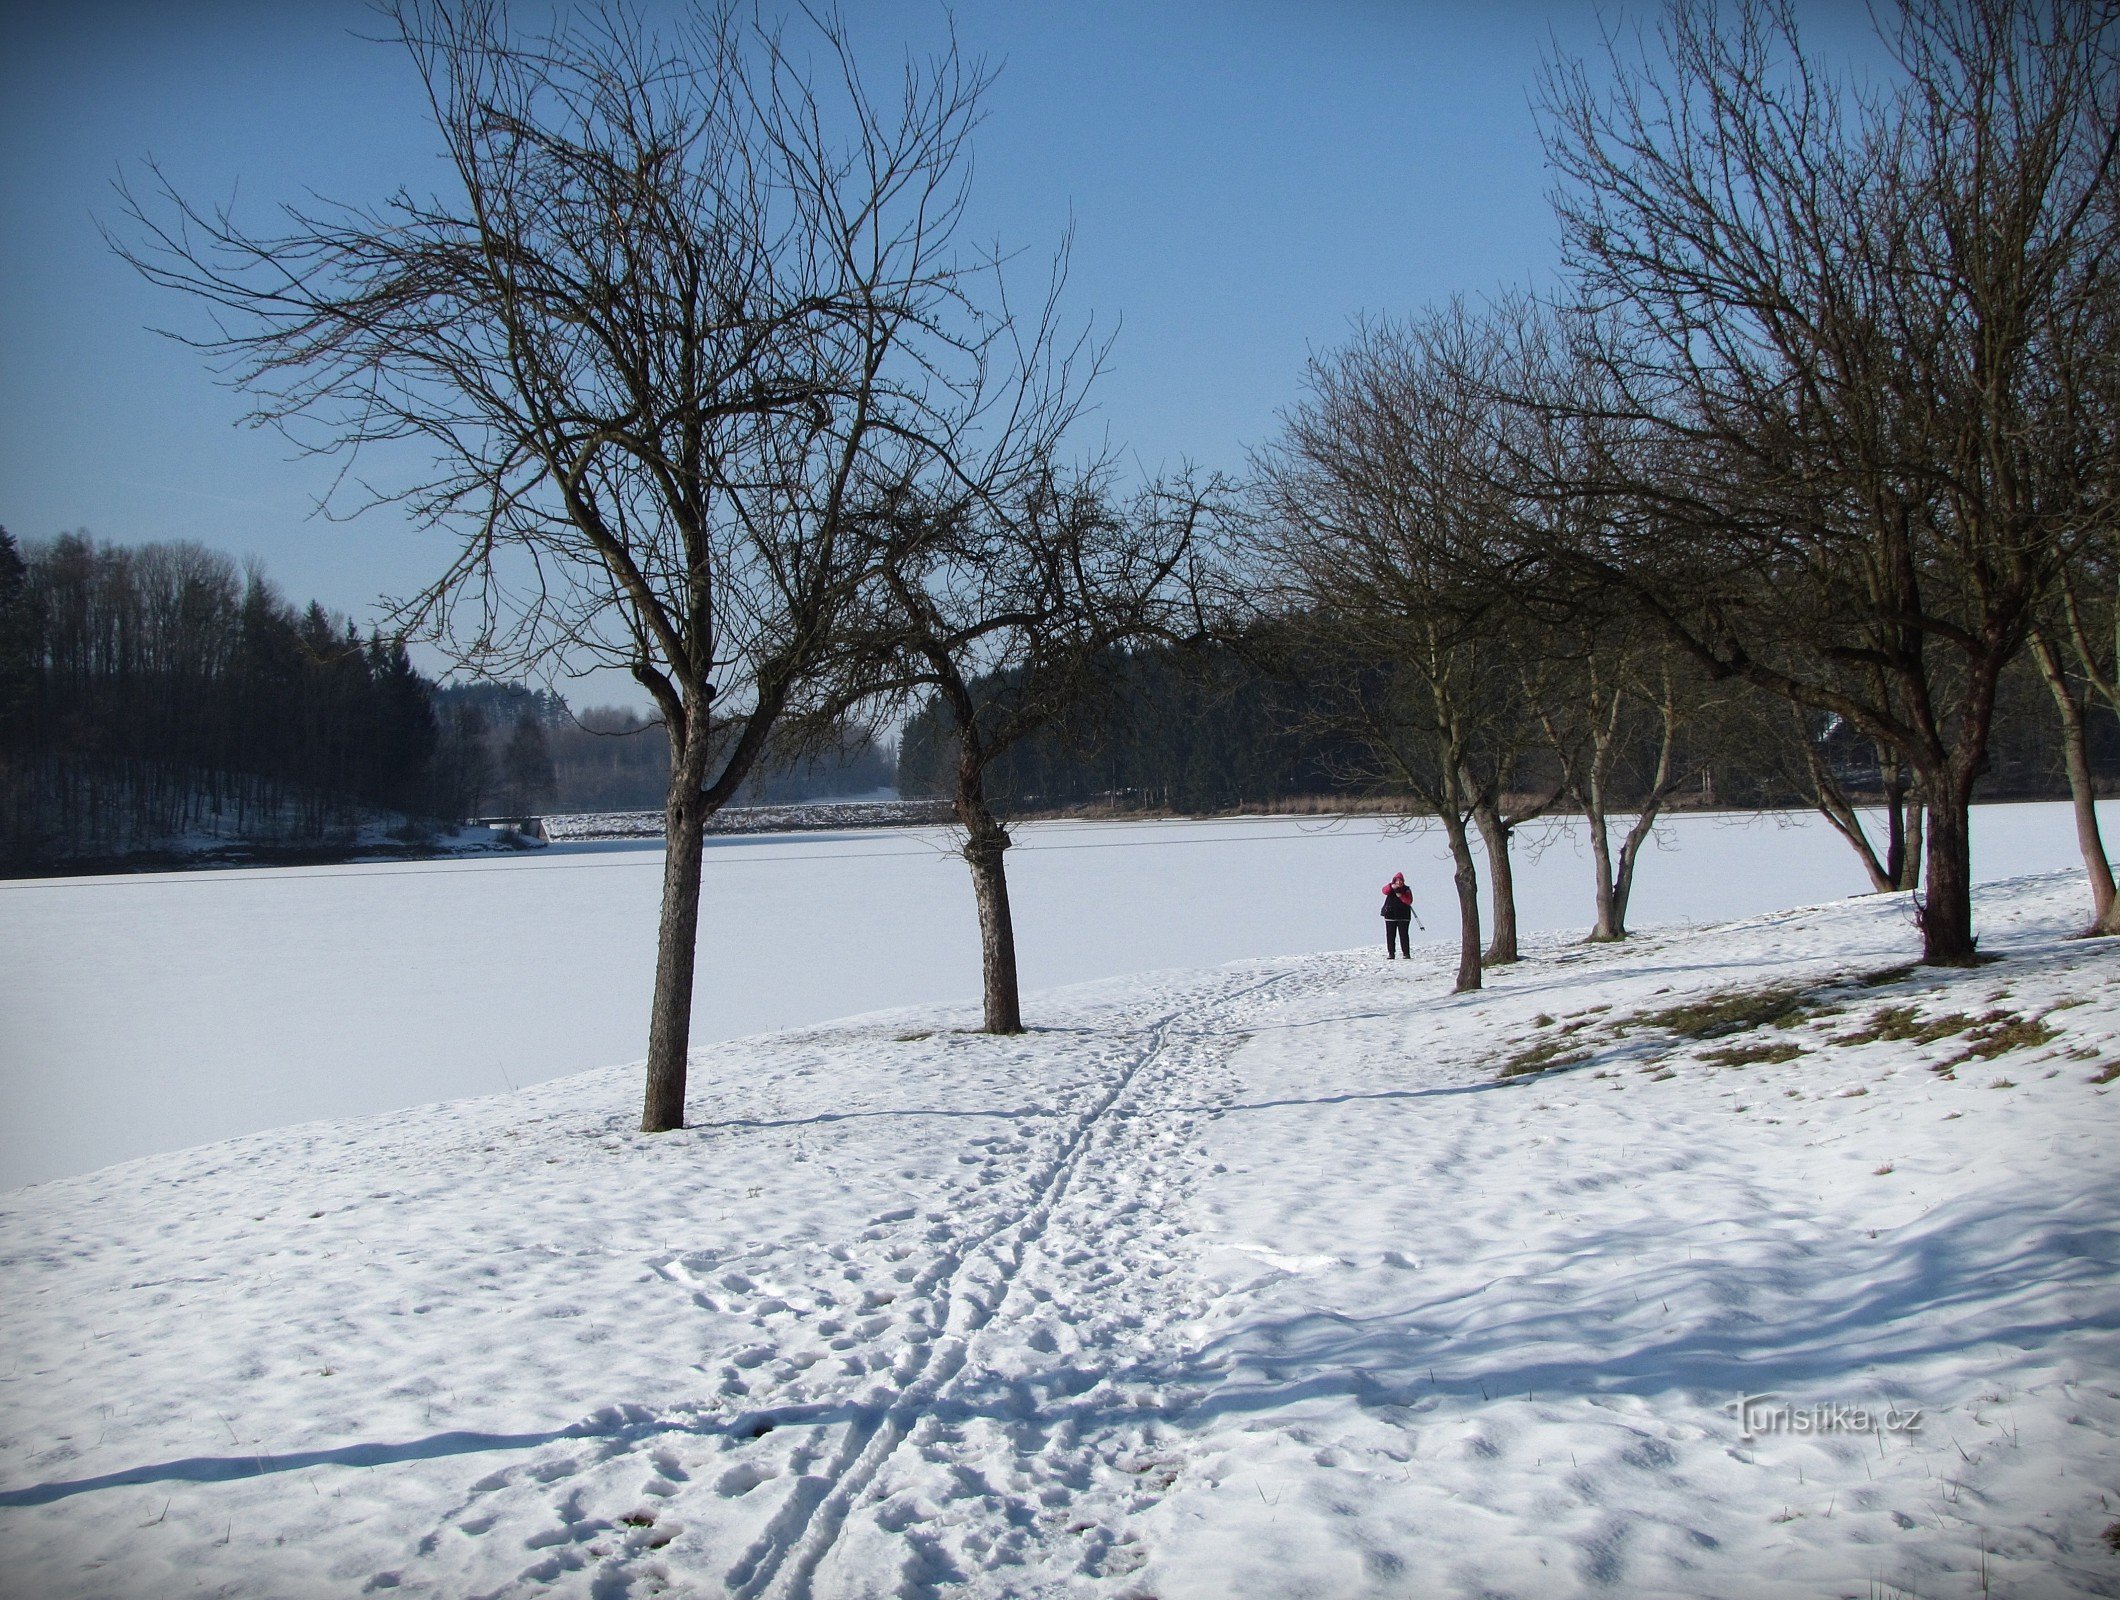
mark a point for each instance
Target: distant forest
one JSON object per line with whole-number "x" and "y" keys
{"x": 546, "y": 756}
{"x": 158, "y": 698}
{"x": 1201, "y": 729}
{"x": 156, "y": 693}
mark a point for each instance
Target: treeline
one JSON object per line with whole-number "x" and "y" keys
{"x": 1156, "y": 729}
{"x": 1204, "y": 728}
{"x": 537, "y": 754}
{"x": 158, "y": 692}
{"x": 159, "y": 697}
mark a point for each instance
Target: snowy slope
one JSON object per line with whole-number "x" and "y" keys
{"x": 1257, "y": 1280}
{"x": 199, "y": 1006}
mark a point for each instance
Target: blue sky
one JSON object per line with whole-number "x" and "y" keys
{"x": 1243, "y": 177}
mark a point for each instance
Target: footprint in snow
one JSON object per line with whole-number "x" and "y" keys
{"x": 741, "y": 1479}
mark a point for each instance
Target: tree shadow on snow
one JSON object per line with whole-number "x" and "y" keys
{"x": 1835, "y": 1316}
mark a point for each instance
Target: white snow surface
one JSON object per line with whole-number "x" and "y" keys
{"x": 1255, "y": 1279}
{"x": 190, "y": 1007}
{"x": 875, "y": 811}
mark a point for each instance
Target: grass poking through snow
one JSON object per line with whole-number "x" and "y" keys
{"x": 1729, "y": 1012}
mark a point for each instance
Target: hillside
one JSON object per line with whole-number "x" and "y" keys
{"x": 1287, "y": 1277}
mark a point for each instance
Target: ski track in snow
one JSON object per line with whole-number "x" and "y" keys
{"x": 1252, "y": 1280}
{"x": 980, "y": 1281}
{"x": 938, "y": 1313}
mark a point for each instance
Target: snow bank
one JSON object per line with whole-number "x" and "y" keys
{"x": 1260, "y": 1279}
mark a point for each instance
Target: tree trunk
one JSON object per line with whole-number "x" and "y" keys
{"x": 1834, "y": 806}
{"x": 983, "y": 852}
{"x": 1902, "y": 849}
{"x": 985, "y": 845}
{"x": 1494, "y": 833}
{"x": 1611, "y": 912}
{"x": 2105, "y": 915}
{"x": 1910, "y": 868}
{"x": 1611, "y": 916}
{"x": 1467, "y": 879}
{"x": 1947, "y": 913}
{"x": 676, "y": 948}
{"x": 1615, "y": 884}
{"x": 1630, "y": 852}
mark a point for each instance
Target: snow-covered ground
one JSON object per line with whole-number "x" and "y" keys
{"x": 802, "y": 816}
{"x": 145, "y": 1013}
{"x": 1255, "y": 1279}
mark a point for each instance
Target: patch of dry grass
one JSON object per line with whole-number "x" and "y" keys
{"x": 2000, "y": 1032}
{"x": 1905, "y": 1025}
{"x": 1732, "y": 1011}
{"x": 1746, "y": 1055}
{"x": 1549, "y": 1056}
{"x": 1578, "y": 1037}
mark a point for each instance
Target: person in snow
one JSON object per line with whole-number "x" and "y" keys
{"x": 1398, "y": 911}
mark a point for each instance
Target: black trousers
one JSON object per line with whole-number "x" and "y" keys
{"x": 1395, "y": 934}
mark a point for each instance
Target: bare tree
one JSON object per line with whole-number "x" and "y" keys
{"x": 1382, "y": 531}
{"x": 2076, "y": 643}
{"x": 1005, "y": 607}
{"x": 1617, "y": 709}
{"x": 1585, "y": 674}
{"x": 1854, "y": 325}
{"x": 2076, "y": 638}
{"x": 1500, "y": 784}
{"x": 1841, "y": 774}
{"x": 685, "y": 292}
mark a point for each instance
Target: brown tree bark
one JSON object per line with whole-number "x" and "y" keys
{"x": 1902, "y": 850}
{"x": 1947, "y": 910}
{"x": 1588, "y": 778}
{"x": 985, "y": 848}
{"x": 1614, "y": 892}
{"x": 1615, "y": 885}
{"x": 1611, "y": 910}
{"x": 1947, "y": 938}
{"x": 1838, "y": 810}
{"x": 2083, "y": 797}
{"x": 1910, "y": 868}
{"x": 1465, "y": 876}
{"x": 676, "y": 947}
{"x": 1612, "y": 905}
{"x": 985, "y": 845}
{"x": 1495, "y": 833}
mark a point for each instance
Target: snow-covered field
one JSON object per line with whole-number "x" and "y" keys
{"x": 148, "y": 1012}
{"x": 1255, "y": 1279}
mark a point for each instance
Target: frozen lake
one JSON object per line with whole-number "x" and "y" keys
{"x": 148, "y": 1013}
